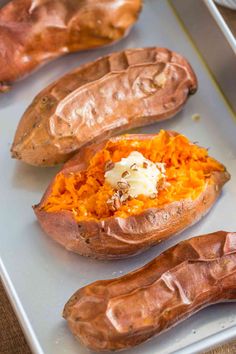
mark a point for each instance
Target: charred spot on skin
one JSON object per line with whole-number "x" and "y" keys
{"x": 227, "y": 174}
{"x": 81, "y": 232}
{"x": 46, "y": 102}
{"x": 16, "y": 154}
{"x": 204, "y": 200}
{"x": 165, "y": 216}
{"x": 179, "y": 211}
{"x": 87, "y": 240}
{"x": 37, "y": 122}
{"x": 192, "y": 90}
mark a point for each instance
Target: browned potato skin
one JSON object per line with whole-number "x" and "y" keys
{"x": 117, "y": 237}
{"x": 118, "y": 92}
{"x": 123, "y": 312}
{"x": 33, "y": 32}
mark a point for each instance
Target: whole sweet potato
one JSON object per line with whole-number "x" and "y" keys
{"x": 75, "y": 212}
{"x": 121, "y": 313}
{"x": 117, "y": 92}
{"x": 33, "y": 32}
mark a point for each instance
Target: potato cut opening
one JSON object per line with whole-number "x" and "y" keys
{"x": 86, "y": 194}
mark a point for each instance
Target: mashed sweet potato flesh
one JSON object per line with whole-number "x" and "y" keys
{"x": 188, "y": 170}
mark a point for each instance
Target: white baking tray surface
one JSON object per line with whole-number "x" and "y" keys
{"x": 38, "y": 274}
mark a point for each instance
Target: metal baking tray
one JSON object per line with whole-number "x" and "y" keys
{"x": 38, "y": 274}
{"x": 214, "y": 39}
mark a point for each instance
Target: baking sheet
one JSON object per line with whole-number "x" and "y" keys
{"x": 39, "y": 274}
{"x": 214, "y": 40}
{"x": 221, "y": 23}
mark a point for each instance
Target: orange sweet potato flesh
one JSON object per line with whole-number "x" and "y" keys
{"x": 74, "y": 209}
{"x": 33, "y": 32}
{"x": 120, "y": 313}
{"x": 121, "y": 91}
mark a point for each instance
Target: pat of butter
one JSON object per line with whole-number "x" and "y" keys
{"x": 139, "y": 174}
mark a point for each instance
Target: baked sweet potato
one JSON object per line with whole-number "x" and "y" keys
{"x": 121, "y": 313}
{"x": 34, "y": 32}
{"x": 117, "y": 92}
{"x": 86, "y": 214}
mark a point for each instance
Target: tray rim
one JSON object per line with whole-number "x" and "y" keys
{"x": 19, "y": 311}
{"x": 206, "y": 343}
{"x": 206, "y": 65}
{"x": 197, "y": 347}
{"x": 221, "y": 23}
{"x": 194, "y": 348}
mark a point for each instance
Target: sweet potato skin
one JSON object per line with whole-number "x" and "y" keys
{"x": 121, "y": 91}
{"x": 117, "y": 237}
{"x": 34, "y": 32}
{"x": 123, "y": 312}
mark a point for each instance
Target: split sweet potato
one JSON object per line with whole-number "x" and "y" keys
{"x": 121, "y": 313}
{"x": 76, "y": 210}
{"x": 33, "y": 32}
{"x": 118, "y": 92}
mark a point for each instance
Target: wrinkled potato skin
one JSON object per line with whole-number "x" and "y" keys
{"x": 121, "y": 91}
{"x": 117, "y": 237}
{"x": 33, "y": 32}
{"x": 123, "y": 312}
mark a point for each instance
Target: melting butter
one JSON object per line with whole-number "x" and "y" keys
{"x": 136, "y": 174}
